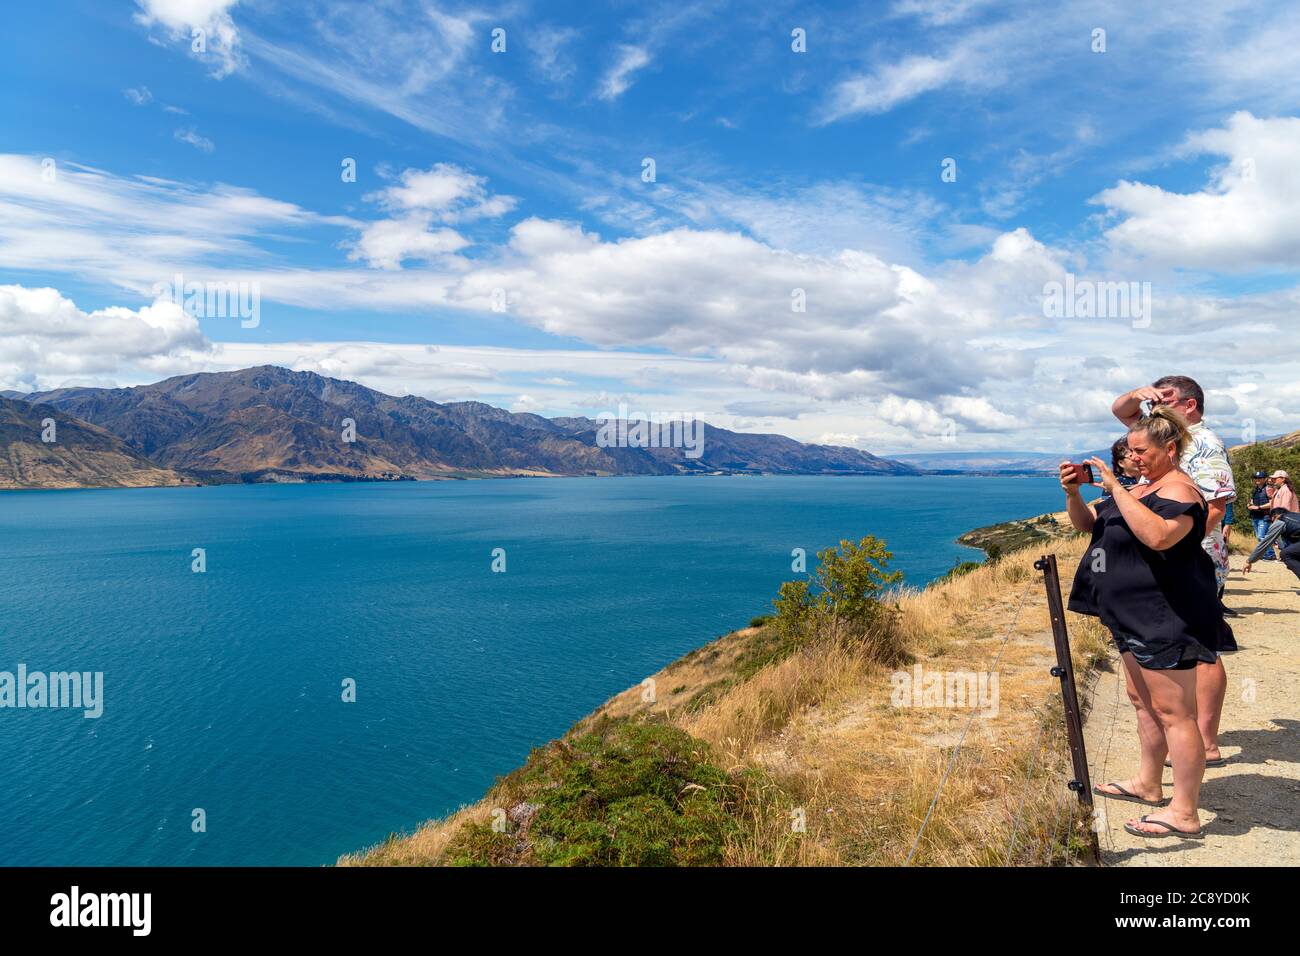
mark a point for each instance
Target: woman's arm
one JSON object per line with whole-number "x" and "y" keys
{"x": 1155, "y": 532}
{"x": 1081, "y": 516}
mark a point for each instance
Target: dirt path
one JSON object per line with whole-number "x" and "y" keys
{"x": 1250, "y": 809}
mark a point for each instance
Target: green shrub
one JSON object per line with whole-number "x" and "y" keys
{"x": 843, "y": 589}
{"x": 627, "y": 793}
{"x": 839, "y": 598}
{"x": 761, "y": 620}
{"x": 959, "y": 568}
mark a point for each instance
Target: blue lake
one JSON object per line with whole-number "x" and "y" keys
{"x": 223, "y": 689}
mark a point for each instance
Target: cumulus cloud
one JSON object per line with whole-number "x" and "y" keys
{"x": 46, "y": 340}
{"x": 526, "y": 403}
{"x": 1246, "y": 217}
{"x": 444, "y": 193}
{"x": 386, "y": 244}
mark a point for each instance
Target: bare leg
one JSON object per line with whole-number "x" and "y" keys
{"x": 1211, "y": 689}
{"x": 1173, "y": 698}
{"x": 1147, "y": 784}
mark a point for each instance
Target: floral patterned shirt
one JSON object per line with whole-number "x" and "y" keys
{"x": 1205, "y": 459}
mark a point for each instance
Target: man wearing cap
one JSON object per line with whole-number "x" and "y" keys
{"x": 1261, "y": 503}
{"x": 1283, "y": 494}
{"x": 1205, "y": 461}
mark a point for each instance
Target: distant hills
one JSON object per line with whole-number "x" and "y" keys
{"x": 273, "y": 424}
{"x": 1283, "y": 442}
{"x": 1037, "y": 462}
{"x": 995, "y": 462}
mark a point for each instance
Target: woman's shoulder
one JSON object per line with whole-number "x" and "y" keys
{"x": 1182, "y": 490}
{"x": 1181, "y": 495}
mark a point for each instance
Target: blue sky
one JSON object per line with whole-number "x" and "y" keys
{"x": 1168, "y": 158}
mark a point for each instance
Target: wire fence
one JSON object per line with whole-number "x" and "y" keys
{"x": 1074, "y": 787}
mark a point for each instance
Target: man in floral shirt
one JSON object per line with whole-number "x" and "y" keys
{"x": 1205, "y": 460}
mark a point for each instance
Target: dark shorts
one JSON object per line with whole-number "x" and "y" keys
{"x": 1165, "y": 655}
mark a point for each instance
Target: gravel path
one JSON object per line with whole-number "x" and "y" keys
{"x": 1250, "y": 809}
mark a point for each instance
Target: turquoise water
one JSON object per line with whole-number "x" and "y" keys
{"x": 223, "y": 689}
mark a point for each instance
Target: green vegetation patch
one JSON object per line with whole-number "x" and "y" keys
{"x": 626, "y": 793}
{"x": 839, "y": 600}
{"x": 1247, "y": 460}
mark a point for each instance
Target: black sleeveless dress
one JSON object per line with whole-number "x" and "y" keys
{"x": 1162, "y": 606}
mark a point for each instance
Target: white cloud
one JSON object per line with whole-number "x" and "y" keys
{"x": 130, "y": 231}
{"x": 550, "y": 49}
{"x": 217, "y": 32}
{"x": 891, "y": 84}
{"x": 139, "y": 96}
{"x": 939, "y": 12}
{"x": 1247, "y": 217}
{"x": 526, "y": 403}
{"x": 884, "y": 351}
{"x": 191, "y": 136}
{"x": 617, "y": 80}
{"x": 387, "y": 244}
{"x": 1230, "y": 52}
{"x": 446, "y": 191}
{"x": 46, "y": 340}
{"x": 413, "y": 64}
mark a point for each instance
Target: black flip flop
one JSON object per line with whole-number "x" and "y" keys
{"x": 1125, "y": 795}
{"x": 1216, "y": 762}
{"x": 1170, "y": 830}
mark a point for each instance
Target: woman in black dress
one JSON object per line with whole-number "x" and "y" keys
{"x": 1148, "y": 579}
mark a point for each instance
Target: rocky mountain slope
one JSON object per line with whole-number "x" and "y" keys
{"x": 80, "y": 456}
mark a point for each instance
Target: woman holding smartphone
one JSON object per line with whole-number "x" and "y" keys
{"x": 1148, "y": 579}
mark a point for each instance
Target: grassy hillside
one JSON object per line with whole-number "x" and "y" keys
{"x": 782, "y": 743}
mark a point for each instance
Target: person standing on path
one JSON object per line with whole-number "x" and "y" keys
{"x": 1146, "y": 576}
{"x": 1205, "y": 460}
{"x": 1284, "y": 495}
{"x": 1261, "y": 503}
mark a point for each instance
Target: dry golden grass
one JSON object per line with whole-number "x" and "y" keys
{"x": 860, "y": 772}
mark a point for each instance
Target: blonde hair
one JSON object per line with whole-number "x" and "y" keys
{"x": 1165, "y": 424}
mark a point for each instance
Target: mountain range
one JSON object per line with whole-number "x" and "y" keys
{"x": 274, "y": 424}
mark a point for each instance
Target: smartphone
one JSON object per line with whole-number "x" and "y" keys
{"x": 1083, "y": 474}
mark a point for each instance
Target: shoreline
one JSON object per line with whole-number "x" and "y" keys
{"x": 344, "y": 480}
